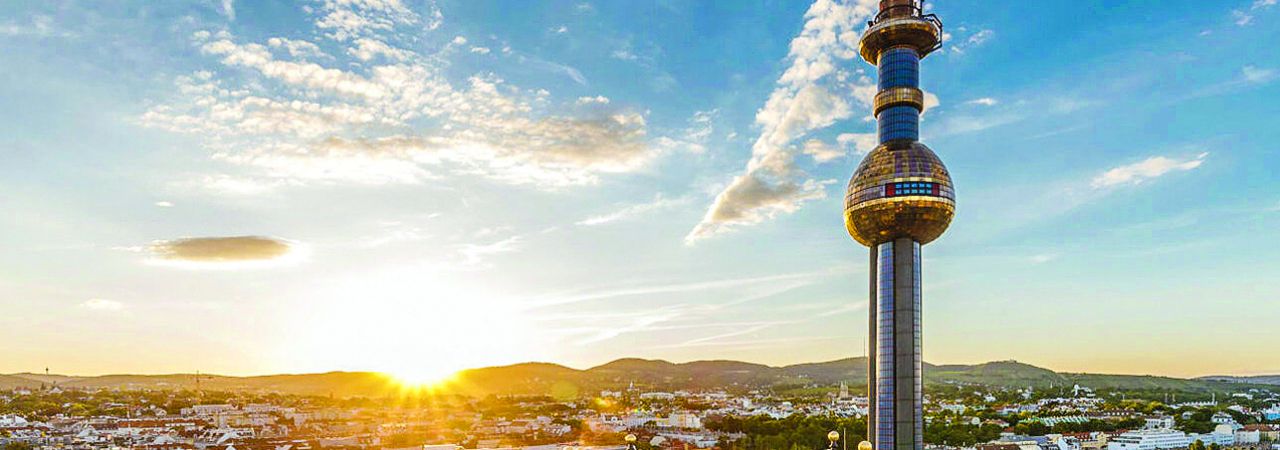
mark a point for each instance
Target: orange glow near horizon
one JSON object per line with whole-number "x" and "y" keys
{"x": 426, "y": 378}
{"x": 418, "y": 328}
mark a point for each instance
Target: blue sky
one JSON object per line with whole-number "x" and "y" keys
{"x": 415, "y": 186}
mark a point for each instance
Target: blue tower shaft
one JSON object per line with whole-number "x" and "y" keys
{"x": 895, "y": 365}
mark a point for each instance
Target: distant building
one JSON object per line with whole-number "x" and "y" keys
{"x": 1272, "y": 413}
{"x": 12, "y": 421}
{"x": 657, "y": 396}
{"x": 1149, "y": 440}
{"x": 1266, "y": 432}
{"x": 1246, "y": 437}
{"x": 684, "y": 420}
{"x": 1158, "y": 423}
{"x": 1223, "y": 435}
{"x": 1051, "y": 421}
{"x": 208, "y": 410}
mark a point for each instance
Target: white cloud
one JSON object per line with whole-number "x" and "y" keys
{"x": 475, "y": 254}
{"x": 1243, "y": 18}
{"x": 295, "y": 47}
{"x": 974, "y": 40}
{"x": 975, "y": 123}
{"x": 813, "y": 93}
{"x": 228, "y": 9}
{"x": 821, "y": 151}
{"x": 1043, "y": 258}
{"x": 1148, "y": 169}
{"x": 1257, "y": 75}
{"x": 562, "y": 29}
{"x": 931, "y": 101}
{"x": 659, "y": 202}
{"x": 348, "y": 19}
{"x": 164, "y": 204}
{"x": 102, "y": 304}
{"x": 597, "y": 100}
{"x": 367, "y": 49}
{"x": 862, "y": 143}
{"x": 39, "y": 26}
{"x": 984, "y": 101}
{"x": 480, "y": 50}
{"x": 379, "y": 112}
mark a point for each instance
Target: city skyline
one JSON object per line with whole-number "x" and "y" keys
{"x": 420, "y": 187}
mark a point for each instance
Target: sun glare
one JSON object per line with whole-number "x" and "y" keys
{"x": 418, "y": 329}
{"x": 424, "y": 378}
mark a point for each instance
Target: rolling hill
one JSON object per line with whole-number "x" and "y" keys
{"x": 561, "y": 381}
{"x": 1255, "y": 379}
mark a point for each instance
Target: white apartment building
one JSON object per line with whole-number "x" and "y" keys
{"x": 1149, "y": 440}
{"x": 1247, "y": 437}
{"x": 1223, "y": 435}
{"x": 1158, "y": 423}
{"x": 684, "y": 420}
{"x": 657, "y": 396}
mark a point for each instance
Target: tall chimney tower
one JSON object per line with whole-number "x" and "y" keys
{"x": 899, "y": 199}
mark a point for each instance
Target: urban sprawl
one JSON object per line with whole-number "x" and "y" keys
{"x": 957, "y": 416}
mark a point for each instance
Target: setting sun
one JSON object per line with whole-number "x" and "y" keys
{"x": 424, "y": 378}
{"x": 418, "y": 328}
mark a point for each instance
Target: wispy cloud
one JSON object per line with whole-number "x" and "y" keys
{"x": 971, "y": 41}
{"x": 1043, "y": 258}
{"x": 228, "y": 9}
{"x": 984, "y": 101}
{"x": 475, "y": 254}
{"x": 1245, "y": 17}
{"x": 813, "y": 93}
{"x": 38, "y": 26}
{"x": 691, "y": 317}
{"x": 1257, "y": 75}
{"x": 381, "y": 109}
{"x": 786, "y": 280}
{"x": 1249, "y": 76}
{"x": 659, "y": 203}
{"x": 738, "y": 331}
{"x": 1147, "y": 169}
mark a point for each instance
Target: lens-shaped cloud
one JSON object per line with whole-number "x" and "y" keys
{"x": 225, "y": 252}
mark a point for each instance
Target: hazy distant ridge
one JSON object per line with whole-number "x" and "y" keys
{"x": 546, "y": 378}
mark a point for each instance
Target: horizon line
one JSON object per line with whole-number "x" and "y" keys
{"x": 1264, "y": 373}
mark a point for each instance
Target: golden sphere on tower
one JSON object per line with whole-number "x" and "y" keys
{"x": 631, "y": 438}
{"x": 833, "y": 436}
{"x": 864, "y": 445}
{"x": 901, "y": 190}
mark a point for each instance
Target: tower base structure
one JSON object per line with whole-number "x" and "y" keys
{"x": 895, "y": 368}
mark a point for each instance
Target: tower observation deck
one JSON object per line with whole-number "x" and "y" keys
{"x": 900, "y": 198}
